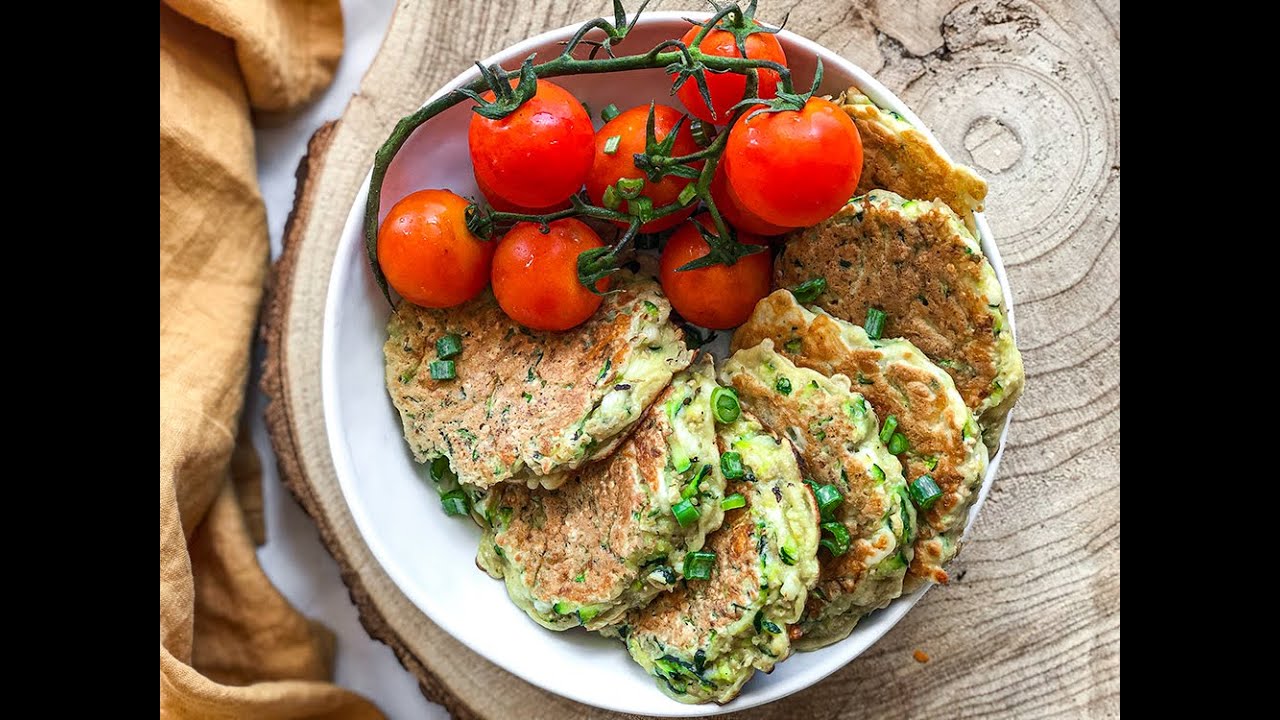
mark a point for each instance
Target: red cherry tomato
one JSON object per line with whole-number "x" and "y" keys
{"x": 501, "y": 204}
{"x": 629, "y": 129}
{"x": 717, "y": 297}
{"x": 726, "y": 89}
{"x": 733, "y": 211}
{"x": 535, "y": 275}
{"x": 427, "y": 253}
{"x": 539, "y": 155}
{"x": 795, "y": 168}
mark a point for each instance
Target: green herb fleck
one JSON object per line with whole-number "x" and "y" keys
{"x": 449, "y": 347}
{"x": 443, "y": 370}
{"x": 874, "y": 324}
{"x": 809, "y": 290}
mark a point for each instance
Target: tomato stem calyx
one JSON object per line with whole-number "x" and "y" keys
{"x": 724, "y": 250}
{"x": 506, "y": 98}
{"x": 786, "y": 100}
{"x": 739, "y": 22}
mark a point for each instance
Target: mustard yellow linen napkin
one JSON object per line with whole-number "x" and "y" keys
{"x": 230, "y": 645}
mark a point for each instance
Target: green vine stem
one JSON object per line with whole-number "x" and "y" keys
{"x": 680, "y": 60}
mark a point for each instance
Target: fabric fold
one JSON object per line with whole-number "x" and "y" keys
{"x": 231, "y": 646}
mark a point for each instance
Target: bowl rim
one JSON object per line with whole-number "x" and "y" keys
{"x": 333, "y": 311}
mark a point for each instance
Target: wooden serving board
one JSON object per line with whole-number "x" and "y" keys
{"x": 1027, "y": 93}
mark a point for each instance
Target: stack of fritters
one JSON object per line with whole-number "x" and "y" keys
{"x": 715, "y": 526}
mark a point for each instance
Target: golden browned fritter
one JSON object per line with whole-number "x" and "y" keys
{"x": 607, "y": 540}
{"x": 915, "y": 261}
{"x": 836, "y": 436}
{"x": 899, "y": 382}
{"x": 899, "y": 158}
{"x": 531, "y": 405}
{"x": 707, "y": 637}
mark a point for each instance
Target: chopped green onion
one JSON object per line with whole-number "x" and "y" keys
{"x": 877, "y": 474}
{"x": 788, "y": 555}
{"x": 611, "y": 144}
{"x": 733, "y": 502}
{"x": 443, "y": 370}
{"x": 794, "y": 345}
{"x": 761, "y": 624}
{"x": 609, "y": 112}
{"x": 586, "y": 614}
{"x": 898, "y": 443}
{"x": 856, "y": 409}
{"x": 783, "y": 385}
{"x": 874, "y": 324}
{"x": 809, "y": 290}
{"x": 838, "y": 543}
{"x": 630, "y": 188}
{"x": 611, "y": 198}
{"x": 455, "y": 502}
{"x": 886, "y": 430}
{"x": 697, "y": 565}
{"x": 563, "y": 608}
{"x": 924, "y": 491}
{"x": 686, "y": 513}
{"x": 828, "y": 497}
{"x": 440, "y": 471}
{"x": 724, "y": 404}
{"x": 931, "y": 461}
{"x": 731, "y": 465}
{"x": 687, "y": 195}
{"x": 692, "y": 488}
{"x": 641, "y": 207}
{"x": 448, "y": 347}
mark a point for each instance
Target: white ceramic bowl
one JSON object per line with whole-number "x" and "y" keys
{"x": 432, "y": 557}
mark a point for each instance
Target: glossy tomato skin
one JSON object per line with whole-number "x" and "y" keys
{"x": 427, "y": 253}
{"x": 501, "y": 204}
{"x": 717, "y": 297}
{"x": 737, "y": 214}
{"x": 539, "y": 155}
{"x": 795, "y": 168}
{"x": 726, "y": 89}
{"x": 608, "y": 168}
{"x": 535, "y": 275}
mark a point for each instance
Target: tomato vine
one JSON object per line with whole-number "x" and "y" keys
{"x": 679, "y": 60}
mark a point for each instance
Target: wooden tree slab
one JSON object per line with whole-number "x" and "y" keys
{"x": 1030, "y": 95}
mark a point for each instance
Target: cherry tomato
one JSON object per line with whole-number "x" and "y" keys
{"x": 539, "y": 155}
{"x": 609, "y": 167}
{"x": 427, "y": 253}
{"x": 727, "y": 88}
{"x": 501, "y": 204}
{"x": 795, "y": 168}
{"x": 733, "y": 211}
{"x": 717, "y": 297}
{"x": 535, "y": 275}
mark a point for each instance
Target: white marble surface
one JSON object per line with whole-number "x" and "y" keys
{"x": 293, "y": 556}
